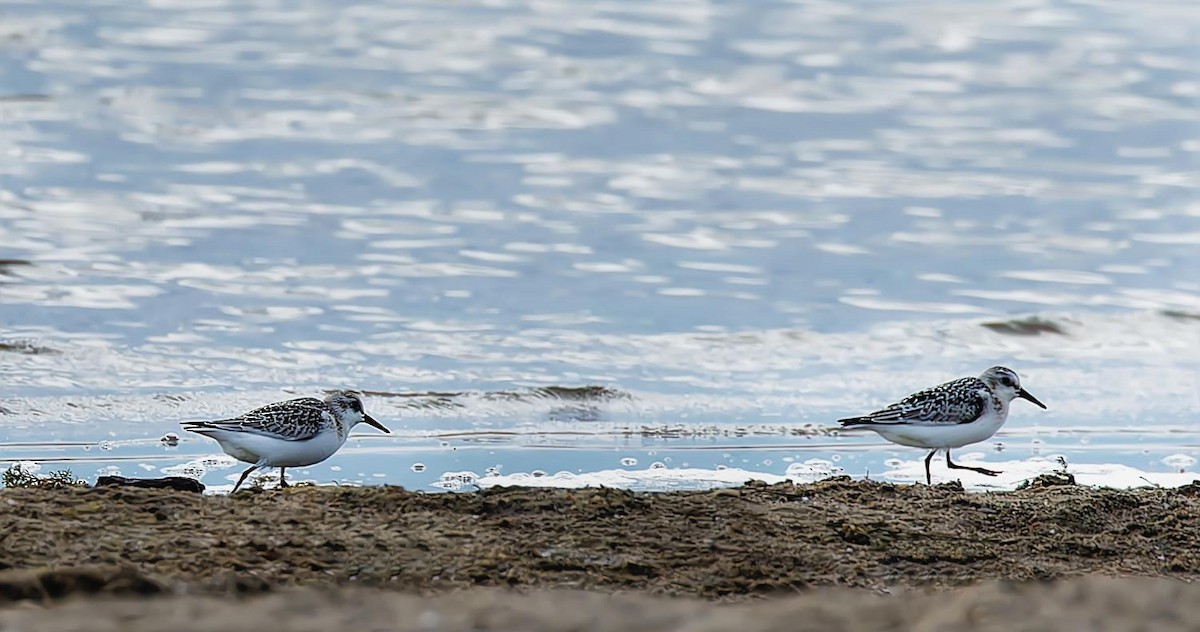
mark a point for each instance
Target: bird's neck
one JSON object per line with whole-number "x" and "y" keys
{"x": 999, "y": 404}
{"x": 342, "y": 425}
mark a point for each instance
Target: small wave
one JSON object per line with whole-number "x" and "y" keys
{"x": 26, "y": 347}
{"x": 454, "y": 399}
{"x": 6, "y": 265}
{"x": 1181, "y": 315}
{"x": 1031, "y": 326}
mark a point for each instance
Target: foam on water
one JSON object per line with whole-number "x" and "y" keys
{"x": 1014, "y": 473}
{"x": 649, "y": 479}
{"x": 198, "y": 468}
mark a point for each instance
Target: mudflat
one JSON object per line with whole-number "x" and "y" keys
{"x": 849, "y": 553}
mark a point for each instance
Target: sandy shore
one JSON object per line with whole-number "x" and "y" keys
{"x": 1094, "y": 604}
{"x": 820, "y": 548}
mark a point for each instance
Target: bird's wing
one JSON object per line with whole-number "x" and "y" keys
{"x": 293, "y": 420}
{"x": 959, "y": 402}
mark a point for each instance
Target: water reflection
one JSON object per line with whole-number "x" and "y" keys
{"x": 735, "y": 216}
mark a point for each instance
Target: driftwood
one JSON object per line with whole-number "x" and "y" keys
{"x": 177, "y": 483}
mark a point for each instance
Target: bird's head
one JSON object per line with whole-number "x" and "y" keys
{"x": 349, "y": 407}
{"x": 1006, "y": 385}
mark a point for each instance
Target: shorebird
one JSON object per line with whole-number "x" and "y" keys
{"x": 951, "y": 415}
{"x": 294, "y": 433}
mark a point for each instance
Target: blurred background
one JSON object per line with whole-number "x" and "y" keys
{"x": 654, "y": 245}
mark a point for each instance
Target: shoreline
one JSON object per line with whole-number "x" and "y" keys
{"x": 818, "y": 547}
{"x": 717, "y": 544}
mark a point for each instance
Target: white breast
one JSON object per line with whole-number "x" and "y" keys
{"x": 270, "y": 452}
{"x": 943, "y": 435}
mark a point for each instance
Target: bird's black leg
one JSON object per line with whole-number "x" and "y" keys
{"x": 928, "y": 476}
{"x": 955, "y": 466}
{"x": 243, "y": 478}
{"x": 282, "y": 481}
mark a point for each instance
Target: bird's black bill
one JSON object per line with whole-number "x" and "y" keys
{"x": 1024, "y": 394}
{"x": 371, "y": 420}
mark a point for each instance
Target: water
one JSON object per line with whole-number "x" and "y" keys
{"x": 735, "y": 221}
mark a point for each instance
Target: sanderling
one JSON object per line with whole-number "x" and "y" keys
{"x": 951, "y": 415}
{"x": 294, "y": 433}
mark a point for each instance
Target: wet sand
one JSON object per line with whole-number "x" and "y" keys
{"x": 840, "y": 551}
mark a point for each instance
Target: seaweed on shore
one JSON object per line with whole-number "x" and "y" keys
{"x": 17, "y": 476}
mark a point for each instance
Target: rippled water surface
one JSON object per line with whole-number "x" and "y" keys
{"x": 653, "y": 244}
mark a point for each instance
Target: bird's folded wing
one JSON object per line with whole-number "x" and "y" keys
{"x": 295, "y": 420}
{"x": 936, "y": 406}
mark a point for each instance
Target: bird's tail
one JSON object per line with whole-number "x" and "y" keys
{"x": 857, "y": 421}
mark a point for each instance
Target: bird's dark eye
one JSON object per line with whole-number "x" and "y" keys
{"x": 1007, "y": 381}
